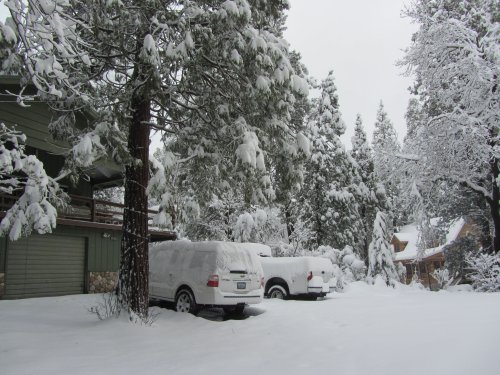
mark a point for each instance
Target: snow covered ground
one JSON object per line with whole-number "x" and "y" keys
{"x": 367, "y": 330}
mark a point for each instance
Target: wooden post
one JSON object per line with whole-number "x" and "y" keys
{"x": 93, "y": 211}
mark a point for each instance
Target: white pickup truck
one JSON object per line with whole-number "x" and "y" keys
{"x": 297, "y": 276}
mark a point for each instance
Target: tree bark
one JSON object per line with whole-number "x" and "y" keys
{"x": 134, "y": 263}
{"x": 494, "y": 206}
{"x": 288, "y": 219}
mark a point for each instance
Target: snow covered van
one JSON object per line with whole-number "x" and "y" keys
{"x": 297, "y": 276}
{"x": 195, "y": 274}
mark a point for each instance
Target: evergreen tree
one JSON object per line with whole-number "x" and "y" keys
{"x": 327, "y": 196}
{"x": 385, "y": 147}
{"x": 380, "y": 254}
{"x": 366, "y": 192}
{"x": 288, "y": 165}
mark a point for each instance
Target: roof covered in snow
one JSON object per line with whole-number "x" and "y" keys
{"x": 411, "y": 234}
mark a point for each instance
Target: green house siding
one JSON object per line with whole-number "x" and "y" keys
{"x": 40, "y": 266}
{"x": 104, "y": 251}
{"x": 34, "y": 123}
{"x": 103, "y": 246}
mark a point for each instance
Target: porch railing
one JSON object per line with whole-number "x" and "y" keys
{"x": 84, "y": 209}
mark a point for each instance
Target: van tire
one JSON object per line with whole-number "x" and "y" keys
{"x": 185, "y": 302}
{"x": 277, "y": 291}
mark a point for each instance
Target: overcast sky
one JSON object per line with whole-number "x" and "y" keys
{"x": 360, "y": 40}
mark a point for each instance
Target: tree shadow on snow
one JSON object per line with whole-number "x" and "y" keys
{"x": 214, "y": 314}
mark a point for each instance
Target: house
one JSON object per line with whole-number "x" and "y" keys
{"x": 405, "y": 245}
{"x": 82, "y": 254}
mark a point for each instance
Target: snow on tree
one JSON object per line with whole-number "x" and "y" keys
{"x": 348, "y": 267}
{"x": 456, "y": 255}
{"x": 327, "y": 196}
{"x": 8, "y": 41}
{"x": 288, "y": 165}
{"x": 298, "y": 242}
{"x": 38, "y": 195}
{"x": 380, "y": 254}
{"x": 385, "y": 147}
{"x": 454, "y": 56}
{"x": 217, "y": 218}
{"x": 261, "y": 226}
{"x": 442, "y": 277}
{"x": 168, "y": 189}
{"x": 213, "y": 74}
{"x": 485, "y": 271}
{"x": 366, "y": 192}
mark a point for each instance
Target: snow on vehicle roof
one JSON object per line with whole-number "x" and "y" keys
{"x": 198, "y": 246}
{"x": 230, "y": 255}
{"x": 294, "y": 267}
{"x": 310, "y": 262}
{"x": 257, "y": 248}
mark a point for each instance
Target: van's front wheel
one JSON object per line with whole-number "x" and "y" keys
{"x": 184, "y": 302}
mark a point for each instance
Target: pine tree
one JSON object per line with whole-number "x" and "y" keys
{"x": 366, "y": 192}
{"x": 288, "y": 165}
{"x": 380, "y": 255}
{"x": 327, "y": 196}
{"x": 386, "y": 162}
{"x": 385, "y": 146}
{"x": 212, "y": 74}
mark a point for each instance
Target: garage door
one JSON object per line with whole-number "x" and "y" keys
{"x": 40, "y": 266}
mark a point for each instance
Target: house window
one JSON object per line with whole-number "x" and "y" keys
{"x": 437, "y": 265}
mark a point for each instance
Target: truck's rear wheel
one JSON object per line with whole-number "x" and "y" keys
{"x": 277, "y": 291}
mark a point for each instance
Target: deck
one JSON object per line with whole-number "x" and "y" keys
{"x": 93, "y": 213}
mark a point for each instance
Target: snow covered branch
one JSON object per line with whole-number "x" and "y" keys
{"x": 36, "y": 207}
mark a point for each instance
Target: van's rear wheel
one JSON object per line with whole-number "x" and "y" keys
{"x": 277, "y": 291}
{"x": 185, "y": 302}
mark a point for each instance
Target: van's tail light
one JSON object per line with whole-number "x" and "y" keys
{"x": 213, "y": 281}
{"x": 309, "y": 276}
{"x": 262, "y": 282}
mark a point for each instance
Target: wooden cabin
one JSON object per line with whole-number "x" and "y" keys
{"x": 405, "y": 245}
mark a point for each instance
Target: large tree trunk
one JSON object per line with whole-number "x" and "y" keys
{"x": 288, "y": 220}
{"x": 494, "y": 206}
{"x": 134, "y": 263}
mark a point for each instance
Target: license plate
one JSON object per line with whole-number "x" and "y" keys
{"x": 240, "y": 285}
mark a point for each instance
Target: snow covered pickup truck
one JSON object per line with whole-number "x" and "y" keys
{"x": 297, "y": 276}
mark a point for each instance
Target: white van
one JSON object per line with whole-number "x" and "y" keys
{"x": 297, "y": 276}
{"x": 195, "y": 274}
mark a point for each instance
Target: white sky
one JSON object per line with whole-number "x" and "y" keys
{"x": 360, "y": 40}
